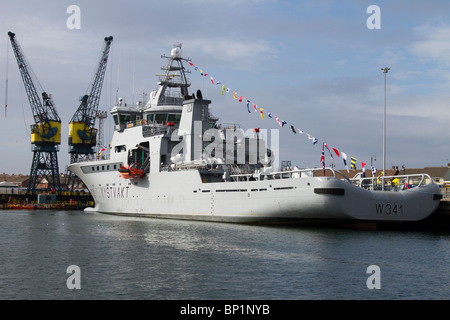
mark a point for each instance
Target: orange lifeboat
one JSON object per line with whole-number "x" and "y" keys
{"x": 132, "y": 171}
{"x": 136, "y": 171}
{"x": 124, "y": 172}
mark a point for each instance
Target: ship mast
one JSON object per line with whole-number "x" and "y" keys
{"x": 174, "y": 75}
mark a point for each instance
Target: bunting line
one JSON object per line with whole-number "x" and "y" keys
{"x": 282, "y": 123}
{"x": 322, "y": 158}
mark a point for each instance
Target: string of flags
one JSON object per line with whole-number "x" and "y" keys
{"x": 99, "y": 153}
{"x": 295, "y": 130}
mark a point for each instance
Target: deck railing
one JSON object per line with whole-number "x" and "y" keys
{"x": 395, "y": 183}
{"x": 392, "y": 183}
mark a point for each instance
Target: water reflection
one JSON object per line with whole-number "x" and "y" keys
{"x": 142, "y": 258}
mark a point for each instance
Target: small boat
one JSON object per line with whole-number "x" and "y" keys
{"x": 136, "y": 171}
{"x": 124, "y": 172}
{"x": 20, "y": 207}
{"x": 131, "y": 172}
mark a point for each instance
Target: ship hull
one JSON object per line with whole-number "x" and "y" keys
{"x": 182, "y": 195}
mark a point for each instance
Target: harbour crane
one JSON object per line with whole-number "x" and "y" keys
{"x": 82, "y": 133}
{"x": 46, "y": 130}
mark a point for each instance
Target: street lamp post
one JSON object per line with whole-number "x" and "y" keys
{"x": 385, "y": 71}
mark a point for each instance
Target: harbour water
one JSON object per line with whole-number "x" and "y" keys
{"x": 152, "y": 259}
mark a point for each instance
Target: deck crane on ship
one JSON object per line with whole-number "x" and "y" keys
{"x": 46, "y": 130}
{"x": 82, "y": 133}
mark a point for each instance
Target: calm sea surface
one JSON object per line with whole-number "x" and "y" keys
{"x": 139, "y": 258}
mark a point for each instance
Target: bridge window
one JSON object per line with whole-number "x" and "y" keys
{"x": 160, "y": 117}
{"x": 174, "y": 117}
{"x": 125, "y": 118}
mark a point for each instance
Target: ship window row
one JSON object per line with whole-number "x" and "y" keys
{"x": 162, "y": 118}
{"x": 245, "y": 190}
{"x": 131, "y": 120}
{"x": 283, "y": 188}
{"x": 99, "y": 168}
{"x": 232, "y": 190}
{"x": 104, "y": 168}
{"x": 125, "y": 118}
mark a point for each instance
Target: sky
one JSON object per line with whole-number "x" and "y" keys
{"x": 315, "y": 64}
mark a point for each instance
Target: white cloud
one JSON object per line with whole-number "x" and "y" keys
{"x": 241, "y": 53}
{"x": 434, "y": 43}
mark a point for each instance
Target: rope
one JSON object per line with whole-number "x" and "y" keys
{"x": 23, "y": 112}
{"x": 6, "y": 82}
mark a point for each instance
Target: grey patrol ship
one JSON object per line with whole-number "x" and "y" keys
{"x": 170, "y": 158}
